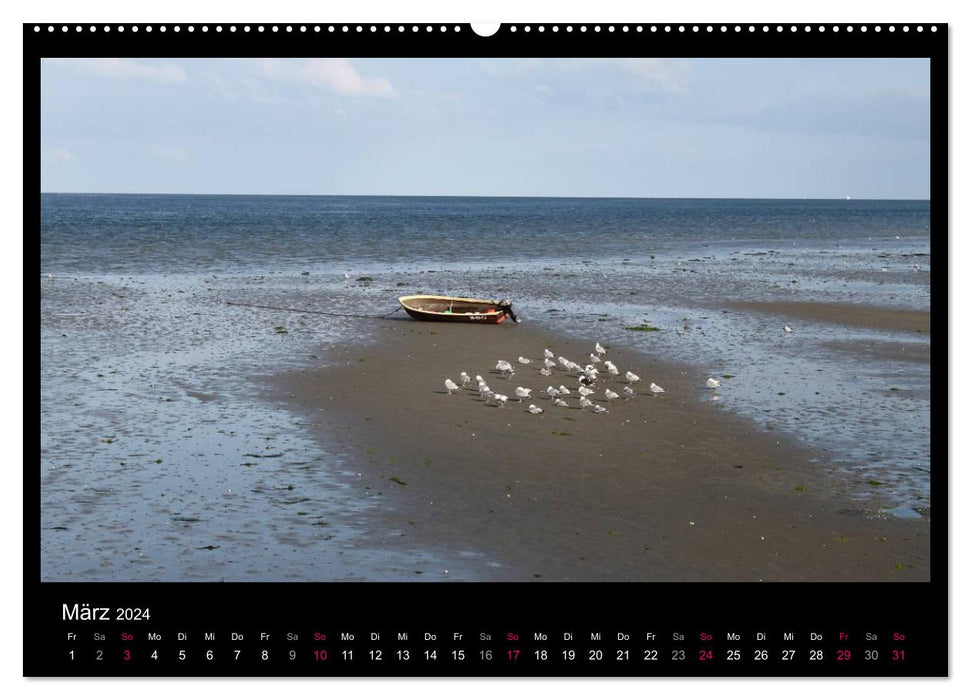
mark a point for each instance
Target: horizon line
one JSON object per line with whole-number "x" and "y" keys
{"x": 478, "y": 196}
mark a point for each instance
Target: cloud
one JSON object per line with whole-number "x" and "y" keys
{"x": 664, "y": 75}
{"x": 660, "y": 75}
{"x": 261, "y": 93}
{"x": 126, "y": 69}
{"x": 333, "y": 74}
{"x": 222, "y": 87}
{"x": 61, "y": 154}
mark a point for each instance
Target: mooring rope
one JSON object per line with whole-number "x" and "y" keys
{"x": 310, "y": 311}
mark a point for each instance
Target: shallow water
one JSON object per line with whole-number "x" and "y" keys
{"x": 159, "y": 461}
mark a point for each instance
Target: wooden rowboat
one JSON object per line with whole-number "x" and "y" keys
{"x": 457, "y": 309}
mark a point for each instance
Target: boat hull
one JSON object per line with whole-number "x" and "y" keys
{"x": 442, "y": 309}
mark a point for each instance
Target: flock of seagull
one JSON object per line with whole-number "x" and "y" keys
{"x": 588, "y": 375}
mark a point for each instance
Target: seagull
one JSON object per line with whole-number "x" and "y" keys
{"x": 585, "y": 402}
{"x": 584, "y": 391}
{"x": 787, "y": 329}
{"x": 600, "y": 409}
{"x": 551, "y": 392}
{"x": 504, "y": 367}
{"x": 522, "y": 393}
{"x": 465, "y": 378}
{"x": 712, "y": 383}
{"x": 628, "y": 392}
{"x": 655, "y": 388}
{"x": 50, "y": 277}
{"x": 564, "y": 391}
{"x": 600, "y": 349}
{"x": 547, "y": 354}
{"x": 560, "y": 402}
{"x": 546, "y": 371}
{"x": 594, "y": 358}
{"x": 611, "y": 395}
{"x": 563, "y": 362}
{"x": 451, "y": 386}
{"x": 548, "y": 363}
{"x": 500, "y": 399}
{"x": 483, "y": 387}
{"x": 524, "y": 361}
{"x": 534, "y": 409}
{"x": 633, "y": 378}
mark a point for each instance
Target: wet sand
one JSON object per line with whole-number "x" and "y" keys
{"x": 882, "y": 351}
{"x": 872, "y": 317}
{"x": 666, "y": 488}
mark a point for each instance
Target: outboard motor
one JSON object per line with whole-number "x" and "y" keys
{"x": 506, "y": 307}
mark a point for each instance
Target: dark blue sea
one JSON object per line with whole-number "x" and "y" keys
{"x": 229, "y": 234}
{"x": 145, "y": 370}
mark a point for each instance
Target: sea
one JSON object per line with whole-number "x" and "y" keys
{"x": 162, "y": 460}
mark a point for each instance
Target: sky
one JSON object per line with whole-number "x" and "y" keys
{"x": 776, "y": 128}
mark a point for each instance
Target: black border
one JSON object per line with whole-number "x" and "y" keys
{"x": 919, "y": 609}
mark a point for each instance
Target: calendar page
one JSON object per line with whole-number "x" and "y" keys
{"x": 462, "y": 350}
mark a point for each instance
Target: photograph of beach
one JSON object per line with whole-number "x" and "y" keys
{"x": 699, "y": 350}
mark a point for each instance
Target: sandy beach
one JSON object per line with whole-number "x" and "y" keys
{"x": 660, "y": 488}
